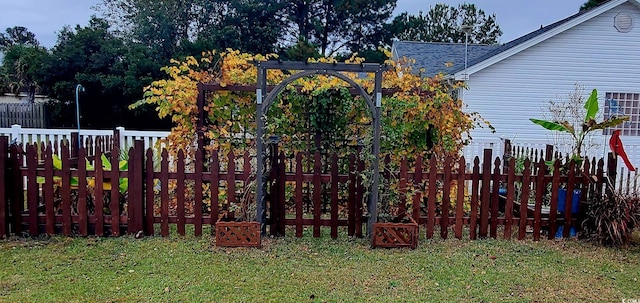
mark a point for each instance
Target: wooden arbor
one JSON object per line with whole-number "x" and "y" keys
{"x": 266, "y": 95}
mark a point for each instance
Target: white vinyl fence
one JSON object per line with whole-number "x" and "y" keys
{"x": 120, "y": 135}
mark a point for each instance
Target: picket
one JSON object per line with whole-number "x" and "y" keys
{"x": 351, "y": 204}
{"x": 508, "y": 208}
{"x": 114, "y": 203}
{"x": 431, "y": 208}
{"x": 32, "y": 193}
{"x": 446, "y": 199}
{"x": 334, "y": 196}
{"x": 164, "y": 194}
{"x": 82, "y": 193}
{"x": 541, "y": 186}
{"x": 180, "y": 191}
{"x": 149, "y": 192}
{"x": 524, "y": 200}
{"x": 460, "y": 199}
{"x": 298, "y": 196}
{"x": 317, "y": 193}
{"x": 417, "y": 187}
{"x": 197, "y": 195}
{"x": 4, "y": 149}
{"x": 48, "y": 191}
{"x": 475, "y": 185}
{"x": 495, "y": 186}
{"x": 485, "y": 195}
{"x": 99, "y": 190}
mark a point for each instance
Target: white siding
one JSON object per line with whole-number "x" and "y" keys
{"x": 593, "y": 54}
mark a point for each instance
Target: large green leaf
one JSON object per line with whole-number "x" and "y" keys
{"x": 88, "y": 164}
{"x": 123, "y": 185}
{"x": 57, "y": 163}
{"x": 609, "y": 123}
{"x": 105, "y": 162}
{"x": 550, "y": 125}
{"x": 123, "y": 165}
{"x": 591, "y": 106}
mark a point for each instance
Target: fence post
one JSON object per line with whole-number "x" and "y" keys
{"x": 4, "y": 219}
{"x": 118, "y": 137}
{"x": 16, "y": 129}
{"x": 75, "y": 144}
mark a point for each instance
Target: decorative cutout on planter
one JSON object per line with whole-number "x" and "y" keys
{"x": 396, "y": 234}
{"x": 238, "y": 234}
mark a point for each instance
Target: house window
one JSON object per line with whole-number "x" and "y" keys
{"x": 623, "y": 104}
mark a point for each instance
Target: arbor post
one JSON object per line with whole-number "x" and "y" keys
{"x": 261, "y": 91}
{"x": 373, "y": 198}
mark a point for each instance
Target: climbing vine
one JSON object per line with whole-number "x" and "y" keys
{"x": 419, "y": 116}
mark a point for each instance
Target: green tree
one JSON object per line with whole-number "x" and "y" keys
{"x": 17, "y": 35}
{"x": 159, "y": 25}
{"x": 591, "y": 3}
{"x": 445, "y": 23}
{"x": 252, "y": 26}
{"x": 336, "y": 26}
{"x": 187, "y": 27}
{"x": 20, "y": 61}
{"x": 301, "y": 51}
{"x": 21, "y": 69}
{"x": 112, "y": 72}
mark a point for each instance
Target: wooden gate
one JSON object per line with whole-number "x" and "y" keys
{"x": 315, "y": 190}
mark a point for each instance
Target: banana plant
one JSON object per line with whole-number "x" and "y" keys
{"x": 123, "y": 183}
{"x": 588, "y": 125}
{"x": 123, "y": 165}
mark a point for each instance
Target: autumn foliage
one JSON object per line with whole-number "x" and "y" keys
{"x": 419, "y": 117}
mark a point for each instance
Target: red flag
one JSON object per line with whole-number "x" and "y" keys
{"x": 618, "y": 150}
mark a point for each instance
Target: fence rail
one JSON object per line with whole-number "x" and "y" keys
{"x": 27, "y": 114}
{"x": 305, "y": 190}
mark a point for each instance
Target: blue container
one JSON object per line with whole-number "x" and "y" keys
{"x": 575, "y": 200}
{"x": 572, "y": 232}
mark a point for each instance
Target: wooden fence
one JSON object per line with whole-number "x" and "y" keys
{"x": 306, "y": 190}
{"x": 626, "y": 180}
{"x": 27, "y": 114}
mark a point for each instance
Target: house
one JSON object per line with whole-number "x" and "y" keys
{"x": 510, "y": 83}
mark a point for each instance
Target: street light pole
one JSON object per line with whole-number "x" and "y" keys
{"x": 79, "y": 88}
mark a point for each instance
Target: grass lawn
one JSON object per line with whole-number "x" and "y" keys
{"x": 313, "y": 270}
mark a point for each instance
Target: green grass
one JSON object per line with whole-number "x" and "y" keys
{"x": 313, "y": 270}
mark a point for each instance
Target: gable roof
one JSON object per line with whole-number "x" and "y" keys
{"x": 436, "y": 57}
{"x": 488, "y": 55}
{"x": 513, "y": 47}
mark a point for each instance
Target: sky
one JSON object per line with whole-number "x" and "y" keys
{"x": 45, "y": 18}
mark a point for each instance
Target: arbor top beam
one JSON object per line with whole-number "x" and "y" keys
{"x": 252, "y": 88}
{"x": 338, "y": 66}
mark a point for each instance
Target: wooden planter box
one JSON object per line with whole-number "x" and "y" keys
{"x": 238, "y": 234}
{"x": 394, "y": 235}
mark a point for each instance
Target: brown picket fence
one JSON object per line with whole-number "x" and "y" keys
{"x": 305, "y": 191}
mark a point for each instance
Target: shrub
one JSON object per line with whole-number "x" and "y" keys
{"x": 610, "y": 218}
